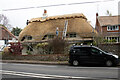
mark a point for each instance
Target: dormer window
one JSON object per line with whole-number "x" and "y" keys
{"x": 112, "y": 28}
{"x": 48, "y": 36}
{"x": 27, "y": 37}
{"x": 71, "y": 35}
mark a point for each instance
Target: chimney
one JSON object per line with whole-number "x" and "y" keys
{"x": 96, "y": 15}
{"x": 97, "y": 23}
{"x": 45, "y": 11}
{"x": 45, "y": 14}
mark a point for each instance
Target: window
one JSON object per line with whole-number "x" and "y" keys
{"x": 44, "y": 37}
{"x": 95, "y": 51}
{"x": 29, "y": 37}
{"x": 112, "y": 28}
{"x": 113, "y": 39}
{"x": 23, "y": 38}
{"x": 82, "y": 50}
{"x": 30, "y": 48}
{"x": 26, "y": 37}
{"x": 50, "y": 36}
{"x": 72, "y": 35}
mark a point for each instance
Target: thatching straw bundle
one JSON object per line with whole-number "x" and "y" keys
{"x": 38, "y": 27}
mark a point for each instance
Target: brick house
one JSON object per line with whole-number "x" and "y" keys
{"x": 108, "y": 27}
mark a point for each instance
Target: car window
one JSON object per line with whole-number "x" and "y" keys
{"x": 82, "y": 51}
{"x": 95, "y": 51}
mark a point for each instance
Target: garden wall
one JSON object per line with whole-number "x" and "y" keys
{"x": 45, "y": 57}
{"x": 111, "y": 47}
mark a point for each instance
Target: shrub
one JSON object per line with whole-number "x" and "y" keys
{"x": 58, "y": 45}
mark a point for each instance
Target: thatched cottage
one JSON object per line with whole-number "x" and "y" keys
{"x": 44, "y": 29}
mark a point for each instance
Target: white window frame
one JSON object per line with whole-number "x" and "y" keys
{"x": 113, "y": 28}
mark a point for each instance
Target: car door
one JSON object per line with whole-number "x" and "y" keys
{"x": 84, "y": 55}
{"x": 97, "y": 56}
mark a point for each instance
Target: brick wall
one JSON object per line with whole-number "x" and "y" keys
{"x": 46, "y": 57}
{"x": 0, "y": 34}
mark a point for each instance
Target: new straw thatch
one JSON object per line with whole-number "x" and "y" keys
{"x": 39, "y": 27}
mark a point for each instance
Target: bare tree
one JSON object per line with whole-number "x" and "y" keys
{"x": 109, "y": 13}
{"x": 4, "y": 21}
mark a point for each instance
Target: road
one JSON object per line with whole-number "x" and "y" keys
{"x": 58, "y": 72}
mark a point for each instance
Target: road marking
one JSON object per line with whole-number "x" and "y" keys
{"x": 45, "y": 75}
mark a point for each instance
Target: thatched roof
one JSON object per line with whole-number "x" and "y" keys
{"x": 67, "y": 16}
{"x": 38, "y": 27}
{"x": 109, "y": 20}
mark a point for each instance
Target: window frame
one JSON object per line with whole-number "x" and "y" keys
{"x": 83, "y": 51}
{"x": 96, "y": 53}
{"x": 71, "y": 35}
{"x": 113, "y": 28}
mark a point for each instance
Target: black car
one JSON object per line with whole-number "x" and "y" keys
{"x": 91, "y": 55}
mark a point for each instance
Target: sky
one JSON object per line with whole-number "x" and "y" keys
{"x": 18, "y": 18}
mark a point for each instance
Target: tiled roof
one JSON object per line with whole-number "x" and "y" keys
{"x": 5, "y": 34}
{"x": 109, "y": 20}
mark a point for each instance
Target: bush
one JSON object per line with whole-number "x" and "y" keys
{"x": 113, "y": 40}
{"x": 58, "y": 45}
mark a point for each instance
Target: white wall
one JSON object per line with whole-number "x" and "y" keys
{"x": 2, "y": 44}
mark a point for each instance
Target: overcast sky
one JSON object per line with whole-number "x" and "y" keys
{"x": 19, "y": 17}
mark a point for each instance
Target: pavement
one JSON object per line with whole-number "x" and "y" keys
{"x": 36, "y": 62}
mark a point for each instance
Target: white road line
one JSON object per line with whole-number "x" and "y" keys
{"x": 44, "y": 75}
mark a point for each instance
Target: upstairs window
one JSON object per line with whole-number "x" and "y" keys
{"x": 44, "y": 37}
{"x": 72, "y": 35}
{"x": 27, "y": 37}
{"x": 112, "y": 28}
{"x": 49, "y": 36}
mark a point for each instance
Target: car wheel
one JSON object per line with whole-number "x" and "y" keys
{"x": 75, "y": 63}
{"x": 109, "y": 63}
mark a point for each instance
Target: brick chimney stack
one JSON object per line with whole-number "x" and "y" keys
{"x": 97, "y": 24}
{"x": 96, "y": 15}
{"x": 45, "y": 11}
{"x": 45, "y": 14}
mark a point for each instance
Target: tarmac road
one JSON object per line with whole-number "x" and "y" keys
{"x": 58, "y": 72}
